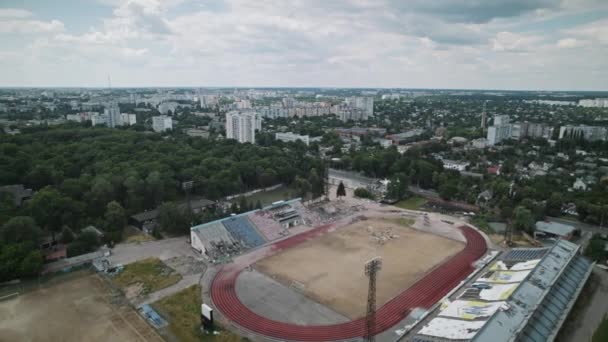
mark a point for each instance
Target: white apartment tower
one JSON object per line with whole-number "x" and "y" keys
{"x": 112, "y": 114}
{"x": 241, "y": 126}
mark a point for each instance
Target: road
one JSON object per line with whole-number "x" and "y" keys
{"x": 162, "y": 249}
{"x": 590, "y": 318}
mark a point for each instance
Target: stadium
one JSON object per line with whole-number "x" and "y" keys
{"x": 295, "y": 272}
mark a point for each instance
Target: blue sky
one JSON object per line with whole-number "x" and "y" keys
{"x": 482, "y": 44}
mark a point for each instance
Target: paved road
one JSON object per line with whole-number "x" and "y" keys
{"x": 590, "y": 318}
{"x": 162, "y": 249}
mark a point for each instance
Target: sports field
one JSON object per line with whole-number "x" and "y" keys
{"x": 329, "y": 269}
{"x": 78, "y": 309}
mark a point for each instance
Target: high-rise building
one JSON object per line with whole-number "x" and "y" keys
{"x": 162, "y": 123}
{"x": 128, "y": 119}
{"x": 498, "y": 133}
{"x": 241, "y": 126}
{"x": 501, "y": 120}
{"x": 365, "y": 104}
{"x": 590, "y": 133}
{"x": 112, "y": 114}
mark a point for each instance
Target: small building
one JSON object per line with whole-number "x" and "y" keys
{"x": 454, "y": 165}
{"x": 479, "y": 143}
{"x": 579, "y": 184}
{"x": 147, "y": 220}
{"x": 19, "y": 193}
{"x": 494, "y": 170}
{"x": 554, "y": 230}
{"x": 383, "y": 142}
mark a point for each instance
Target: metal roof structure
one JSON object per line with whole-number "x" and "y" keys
{"x": 554, "y": 228}
{"x": 523, "y": 297}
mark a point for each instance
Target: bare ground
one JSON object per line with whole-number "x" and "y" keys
{"x": 329, "y": 269}
{"x": 80, "y": 309}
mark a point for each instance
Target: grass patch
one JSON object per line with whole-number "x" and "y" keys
{"x": 601, "y": 333}
{"x": 151, "y": 272}
{"x": 134, "y": 235}
{"x": 482, "y": 223}
{"x": 402, "y": 221}
{"x": 412, "y": 203}
{"x": 182, "y": 311}
{"x": 268, "y": 197}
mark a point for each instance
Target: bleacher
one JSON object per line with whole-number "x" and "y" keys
{"x": 270, "y": 228}
{"x": 214, "y": 232}
{"x": 242, "y": 230}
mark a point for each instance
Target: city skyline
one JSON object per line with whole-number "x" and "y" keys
{"x": 514, "y": 45}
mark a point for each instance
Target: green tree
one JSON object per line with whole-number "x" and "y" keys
{"x": 554, "y": 204}
{"x": 172, "y": 219}
{"x": 115, "y": 217}
{"x": 341, "y": 191}
{"x": 21, "y": 229}
{"x": 523, "y": 219}
{"x": 47, "y": 207}
{"x": 363, "y": 193}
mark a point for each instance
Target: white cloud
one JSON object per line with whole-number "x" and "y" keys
{"x": 14, "y": 13}
{"x": 570, "y": 43}
{"x": 30, "y": 26}
{"x": 514, "y": 42}
{"x": 316, "y": 43}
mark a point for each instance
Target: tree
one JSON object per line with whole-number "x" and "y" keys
{"x": 554, "y": 204}
{"x": 47, "y": 207}
{"x": 523, "y": 220}
{"x": 341, "y": 191}
{"x": 67, "y": 235}
{"x": 363, "y": 193}
{"x": 20, "y": 229}
{"x": 398, "y": 186}
{"x": 172, "y": 219}
{"x": 115, "y": 217}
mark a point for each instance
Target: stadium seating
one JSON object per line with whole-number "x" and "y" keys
{"x": 270, "y": 228}
{"x": 241, "y": 229}
{"x": 213, "y": 232}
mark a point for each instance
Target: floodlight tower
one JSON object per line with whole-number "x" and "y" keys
{"x": 371, "y": 269}
{"x": 187, "y": 187}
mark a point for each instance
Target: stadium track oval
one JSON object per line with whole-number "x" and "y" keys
{"x": 424, "y": 293}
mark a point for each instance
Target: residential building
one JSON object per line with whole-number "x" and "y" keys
{"x": 454, "y": 165}
{"x": 501, "y": 120}
{"x": 99, "y": 119}
{"x": 405, "y": 136}
{"x": 290, "y": 137}
{"x": 383, "y": 142}
{"x": 166, "y": 107}
{"x": 590, "y": 133}
{"x": 580, "y": 185}
{"x": 241, "y": 126}
{"x": 594, "y": 102}
{"x": 366, "y": 104}
{"x": 162, "y": 123}
{"x": 479, "y": 143}
{"x": 112, "y": 114}
{"x": 498, "y": 133}
{"x": 128, "y": 119}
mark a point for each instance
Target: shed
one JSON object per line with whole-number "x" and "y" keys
{"x": 554, "y": 229}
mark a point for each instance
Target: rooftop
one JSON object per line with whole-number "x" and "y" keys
{"x": 524, "y": 296}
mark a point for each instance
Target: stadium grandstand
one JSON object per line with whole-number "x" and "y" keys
{"x": 238, "y": 233}
{"x": 524, "y": 296}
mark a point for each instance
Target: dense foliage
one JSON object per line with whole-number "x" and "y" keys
{"x": 85, "y": 176}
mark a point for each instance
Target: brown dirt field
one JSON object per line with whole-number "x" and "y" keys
{"x": 74, "y": 310}
{"x": 330, "y": 268}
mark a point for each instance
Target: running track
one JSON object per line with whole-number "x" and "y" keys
{"x": 424, "y": 293}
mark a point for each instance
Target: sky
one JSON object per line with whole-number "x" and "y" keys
{"x": 461, "y": 44}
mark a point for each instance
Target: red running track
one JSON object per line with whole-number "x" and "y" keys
{"x": 424, "y": 293}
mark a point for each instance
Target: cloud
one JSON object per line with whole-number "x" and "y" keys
{"x": 30, "y": 26}
{"x": 476, "y": 11}
{"x": 570, "y": 43}
{"x": 596, "y": 31}
{"x": 14, "y": 13}
{"x": 514, "y": 42}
